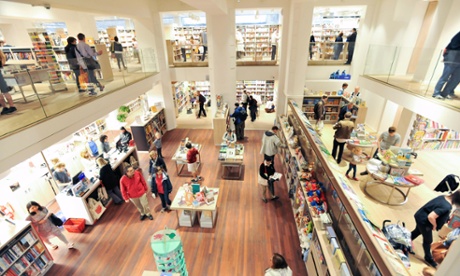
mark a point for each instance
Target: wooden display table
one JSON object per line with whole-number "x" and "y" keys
{"x": 76, "y": 206}
{"x": 204, "y": 212}
{"x": 180, "y": 157}
{"x": 388, "y": 182}
{"x": 230, "y": 161}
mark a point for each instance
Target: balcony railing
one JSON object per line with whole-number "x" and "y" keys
{"x": 412, "y": 71}
{"x": 329, "y": 53}
{"x": 42, "y": 92}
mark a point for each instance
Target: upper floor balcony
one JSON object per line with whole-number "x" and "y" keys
{"x": 46, "y": 85}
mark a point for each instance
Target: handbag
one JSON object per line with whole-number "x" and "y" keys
{"x": 95, "y": 208}
{"x": 90, "y": 62}
{"x": 439, "y": 251}
{"x": 55, "y": 220}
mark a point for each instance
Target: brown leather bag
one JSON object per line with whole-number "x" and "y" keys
{"x": 439, "y": 251}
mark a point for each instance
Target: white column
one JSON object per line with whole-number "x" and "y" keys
{"x": 222, "y": 57}
{"x": 294, "y": 57}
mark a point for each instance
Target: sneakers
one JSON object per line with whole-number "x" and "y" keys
{"x": 101, "y": 87}
{"x": 153, "y": 195}
{"x": 92, "y": 93}
{"x": 450, "y": 97}
{"x": 355, "y": 179}
{"x": 81, "y": 90}
{"x": 150, "y": 217}
{"x": 348, "y": 176}
{"x": 142, "y": 217}
{"x": 199, "y": 178}
{"x": 194, "y": 180}
{"x": 264, "y": 200}
{"x": 70, "y": 245}
{"x": 275, "y": 197}
{"x": 438, "y": 97}
{"x": 12, "y": 109}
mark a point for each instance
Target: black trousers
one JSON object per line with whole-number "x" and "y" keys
{"x": 334, "y": 150}
{"x": 351, "y": 50}
{"x": 164, "y": 201}
{"x": 202, "y": 109}
{"x": 271, "y": 186}
{"x": 184, "y": 56}
{"x": 427, "y": 234}
{"x": 273, "y": 52}
{"x": 205, "y": 49}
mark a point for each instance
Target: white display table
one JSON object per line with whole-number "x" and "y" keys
{"x": 180, "y": 157}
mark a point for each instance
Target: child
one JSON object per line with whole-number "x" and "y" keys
{"x": 162, "y": 186}
{"x": 357, "y": 158}
{"x": 157, "y": 145}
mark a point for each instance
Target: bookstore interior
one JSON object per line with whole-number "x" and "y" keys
{"x": 334, "y": 216}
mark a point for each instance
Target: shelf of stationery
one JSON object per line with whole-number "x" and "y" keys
{"x": 46, "y": 57}
{"x": 22, "y": 252}
{"x": 362, "y": 245}
{"x": 427, "y": 134}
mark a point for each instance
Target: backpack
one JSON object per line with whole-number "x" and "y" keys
{"x": 243, "y": 114}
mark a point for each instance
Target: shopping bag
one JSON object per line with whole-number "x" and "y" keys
{"x": 261, "y": 180}
{"x": 95, "y": 208}
{"x": 439, "y": 251}
{"x": 83, "y": 79}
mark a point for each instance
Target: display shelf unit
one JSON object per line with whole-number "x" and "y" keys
{"x": 47, "y": 58}
{"x": 220, "y": 122}
{"x": 64, "y": 67}
{"x": 191, "y": 51}
{"x": 125, "y": 37}
{"x": 263, "y": 88}
{"x": 257, "y": 40}
{"x": 427, "y": 134}
{"x": 94, "y": 129}
{"x": 19, "y": 55}
{"x": 333, "y": 106}
{"x": 327, "y": 28}
{"x": 22, "y": 252}
{"x": 168, "y": 252}
{"x": 363, "y": 246}
{"x": 144, "y": 132}
{"x": 184, "y": 94}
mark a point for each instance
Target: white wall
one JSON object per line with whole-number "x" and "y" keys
{"x": 375, "y": 104}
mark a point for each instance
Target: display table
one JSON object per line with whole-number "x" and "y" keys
{"x": 24, "y": 78}
{"x": 180, "y": 157}
{"x": 367, "y": 145}
{"x": 206, "y": 213}
{"x": 76, "y": 206}
{"x": 231, "y": 159}
{"x": 373, "y": 180}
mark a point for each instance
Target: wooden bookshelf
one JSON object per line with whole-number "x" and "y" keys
{"x": 262, "y": 88}
{"x": 333, "y": 106}
{"x": 22, "y": 252}
{"x": 257, "y": 40}
{"x": 144, "y": 131}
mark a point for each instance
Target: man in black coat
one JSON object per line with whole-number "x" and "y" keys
{"x": 350, "y": 107}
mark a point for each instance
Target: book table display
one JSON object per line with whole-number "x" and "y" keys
{"x": 361, "y": 139}
{"x": 76, "y": 206}
{"x": 391, "y": 175}
{"x": 230, "y": 157}
{"x": 202, "y": 204}
{"x": 168, "y": 252}
{"x": 21, "y": 250}
{"x": 180, "y": 157}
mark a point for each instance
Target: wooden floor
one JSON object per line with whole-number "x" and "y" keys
{"x": 246, "y": 234}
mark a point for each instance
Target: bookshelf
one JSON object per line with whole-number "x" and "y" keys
{"x": 333, "y": 106}
{"x": 359, "y": 247}
{"x": 144, "y": 132}
{"x": 19, "y": 55}
{"x": 257, "y": 40}
{"x": 22, "y": 252}
{"x": 168, "y": 252}
{"x": 47, "y": 58}
{"x": 191, "y": 51}
{"x": 427, "y": 134}
{"x": 263, "y": 88}
{"x": 183, "y": 92}
{"x": 125, "y": 37}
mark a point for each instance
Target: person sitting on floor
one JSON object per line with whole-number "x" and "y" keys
{"x": 270, "y": 107}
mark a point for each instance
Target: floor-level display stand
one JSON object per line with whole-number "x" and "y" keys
{"x": 168, "y": 252}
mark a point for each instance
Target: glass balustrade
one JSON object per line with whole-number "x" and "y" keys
{"x": 329, "y": 53}
{"x": 39, "y": 93}
{"x": 425, "y": 72}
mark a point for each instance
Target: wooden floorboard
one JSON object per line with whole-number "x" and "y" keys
{"x": 246, "y": 234}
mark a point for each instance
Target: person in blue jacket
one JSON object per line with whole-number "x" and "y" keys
{"x": 240, "y": 116}
{"x": 162, "y": 186}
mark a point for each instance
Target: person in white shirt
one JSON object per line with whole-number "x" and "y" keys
{"x": 274, "y": 40}
{"x": 229, "y": 137}
{"x": 279, "y": 267}
{"x": 183, "y": 46}
{"x": 85, "y": 51}
{"x": 239, "y": 45}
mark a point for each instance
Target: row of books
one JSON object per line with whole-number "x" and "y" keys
{"x": 25, "y": 267}
{"x": 440, "y": 145}
{"x": 442, "y": 135}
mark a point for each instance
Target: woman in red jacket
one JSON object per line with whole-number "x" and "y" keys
{"x": 134, "y": 188}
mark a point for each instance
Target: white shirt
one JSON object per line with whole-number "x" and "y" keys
{"x": 275, "y": 38}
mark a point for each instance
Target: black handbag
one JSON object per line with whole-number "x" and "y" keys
{"x": 55, "y": 220}
{"x": 90, "y": 62}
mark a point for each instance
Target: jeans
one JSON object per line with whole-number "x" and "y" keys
{"x": 449, "y": 76}
{"x": 239, "y": 130}
{"x": 273, "y": 52}
{"x": 201, "y": 110}
{"x": 3, "y": 85}
{"x": 165, "y": 201}
{"x": 120, "y": 58}
{"x": 77, "y": 75}
{"x": 351, "y": 50}
{"x": 253, "y": 114}
{"x": 205, "y": 49}
{"x": 334, "y": 150}
{"x": 452, "y": 83}
{"x": 115, "y": 194}
{"x": 351, "y": 167}
{"x": 427, "y": 234}
{"x": 184, "y": 56}
{"x": 92, "y": 78}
